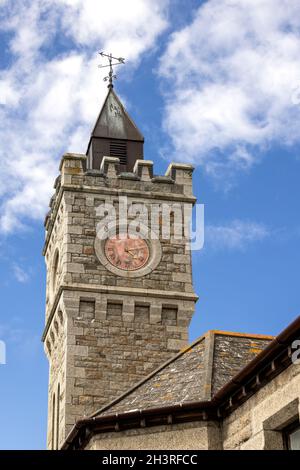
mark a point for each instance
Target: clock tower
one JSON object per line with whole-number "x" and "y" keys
{"x": 119, "y": 280}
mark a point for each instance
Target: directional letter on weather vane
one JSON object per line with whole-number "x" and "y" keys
{"x": 111, "y": 76}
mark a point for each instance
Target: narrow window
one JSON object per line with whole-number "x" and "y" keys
{"x": 57, "y": 416}
{"x": 53, "y": 422}
{"x": 292, "y": 436}
{"x": 55, "y": 270}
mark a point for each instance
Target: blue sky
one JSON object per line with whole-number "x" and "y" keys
{"x": 214, "y": 83}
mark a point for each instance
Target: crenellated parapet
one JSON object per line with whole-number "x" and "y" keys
{"x": 73, "y": 166}
{"x": 175, "y": 184}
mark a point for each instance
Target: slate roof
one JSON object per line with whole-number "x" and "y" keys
{"x": 195, "y": 374}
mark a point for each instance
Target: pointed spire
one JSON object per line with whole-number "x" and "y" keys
{"x": 114, "y": 122}
{"x": 115, "y": 134}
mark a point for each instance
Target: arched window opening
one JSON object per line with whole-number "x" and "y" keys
{"x": 55, "y": 270}
{"x": 57, "y": 416}
{"x": 53, "y": 422}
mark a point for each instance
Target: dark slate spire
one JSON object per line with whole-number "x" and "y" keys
{"x": 116, "y": 135}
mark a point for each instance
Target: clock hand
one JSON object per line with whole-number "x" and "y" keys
{"x": 129, "y": 252}
{"x": 133, "y": 256}
{"x": 133, "y": 249}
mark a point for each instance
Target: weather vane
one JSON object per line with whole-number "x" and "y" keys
{"x": 111, "y": 76}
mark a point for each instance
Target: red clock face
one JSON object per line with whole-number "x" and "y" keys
{"x": 127, "y": 253}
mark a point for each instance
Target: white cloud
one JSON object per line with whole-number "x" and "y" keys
{"x": 20, "y": 274}
{"x": 235, "y": 235}
{"x": 234, "y": 81}
{"x": 8, "y": 95}
{"x": 49, "y": 99}
{"x": 128, "y": 28}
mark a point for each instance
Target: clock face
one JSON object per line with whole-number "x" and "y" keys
{"x": 128, "y": 254}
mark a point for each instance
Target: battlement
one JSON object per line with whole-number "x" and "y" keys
{"x": 74, "y": 165}
{"x": 175, "y": 184}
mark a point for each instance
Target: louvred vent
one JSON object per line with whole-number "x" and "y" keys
{"x": 118, "y": 148}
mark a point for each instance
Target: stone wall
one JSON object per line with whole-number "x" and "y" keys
{"x": 114, "y": 344}
{"x": 197, "y": 435}
{"x": 55, "y": 348}
{"x": 258, "y": 423}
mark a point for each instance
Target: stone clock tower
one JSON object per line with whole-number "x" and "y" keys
{"x": 117, "y": 306}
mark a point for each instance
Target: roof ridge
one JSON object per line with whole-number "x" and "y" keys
{"x": 242, "y": 335}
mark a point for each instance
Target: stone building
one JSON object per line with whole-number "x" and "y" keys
{"x": 211, "y": 395}
{"x": 118, "y": 306}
